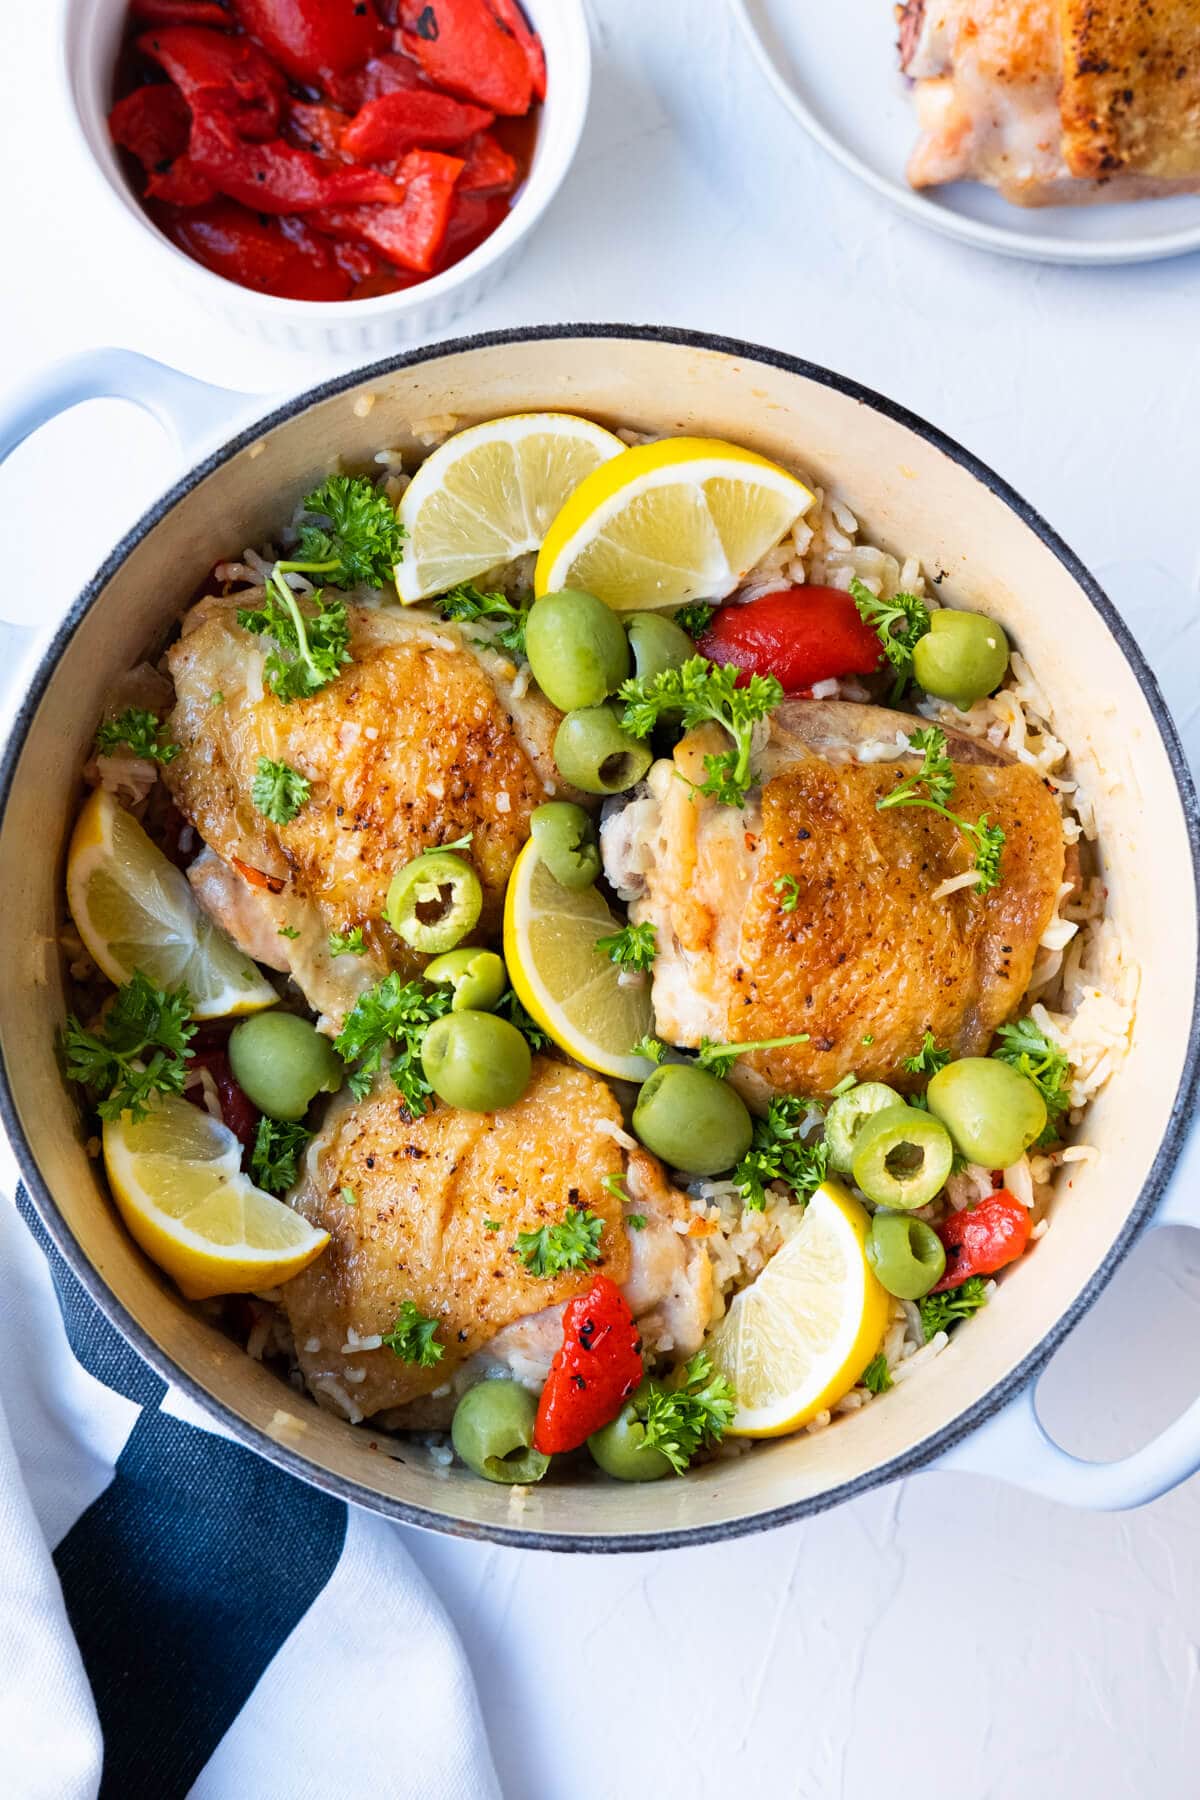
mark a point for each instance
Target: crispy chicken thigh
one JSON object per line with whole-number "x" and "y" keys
{"x": 869, "y": 957}
{"x": 427, "y": 1191}
{"x": 1055, "y": 101}
{"x": 421, "y": 739}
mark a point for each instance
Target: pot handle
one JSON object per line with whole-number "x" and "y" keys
{"x": 187, "y": 409}
{"x": 1013, "y": 1445}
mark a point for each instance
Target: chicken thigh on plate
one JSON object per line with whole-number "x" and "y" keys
{"x": 424, "y": 736}
{"x": 812, "y": 911}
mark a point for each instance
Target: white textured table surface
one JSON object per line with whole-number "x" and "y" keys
{"x": 947, "y": 1638}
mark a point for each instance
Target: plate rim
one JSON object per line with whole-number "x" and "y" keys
{"x": 996, "y": 238}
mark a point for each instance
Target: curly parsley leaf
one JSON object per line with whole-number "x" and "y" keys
{"x": 387, "y": 1027}
{"x": 718, "y": 1059}
{"x": 412, "y": 1337}
{"x": 510, "y": 1008}
{"x": 278, "y": 790}
{"x": 778, "y": 1153}
{"x": 652, "y": 1048}
{"x": 678, "y": 1421}
{"x": 353, "y": 536}
{"x": 788, "y": 888}
{"x": 928, "y": 1059}
{"x": 636, "y": 1221}
{"x": 700, "y": 692}
{"x": 139, "y": 1050}
{"x": 310, "y": 647}
{"x": 143, "y": 732}
{"x": 876, "y": 1377}
{"x": 940, "y": 1311}
{"x": 1025, "y": 1047}
{"x": 696, "y": 618}
{"x": 633, "y": 947}
{"x": 932, "y": 786}
{"x": 900, "y": 623}
{"x": 573, "y": 1243}
{"x": 466, "y": 603}
{"x": 349, "y": 943}
{"x": 275, "y": 1158}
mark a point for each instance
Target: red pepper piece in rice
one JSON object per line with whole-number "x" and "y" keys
{"x": 594, "y": 1373}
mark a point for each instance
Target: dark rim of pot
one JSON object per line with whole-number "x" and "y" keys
{"x": 964, "y": 1423}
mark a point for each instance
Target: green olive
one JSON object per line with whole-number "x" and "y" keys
{"x": 991, "y": 1110}
{"x": 281, "y": 1063}
{"x": 566, "y": 842}
{"x": 478, "y": 978}
{"x": 619, "y": 1449}
{"x": 907, "y": 1255}
{"x": 492, "y": 1432}
{"x": 902, "y": 1157}
{"x": 576, "y": 647}
{"x": 595, "y": 755}
{"x": 962, "y": 657}
{"x": 475, "y": 1061}
{"x": 657, "y": 644}
{"x": 692, "y": 1120}
{"x": 847, "y": 1116}
{"x": 434, "y": 901}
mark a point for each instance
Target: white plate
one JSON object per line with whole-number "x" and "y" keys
{"x": 834, "y": 66}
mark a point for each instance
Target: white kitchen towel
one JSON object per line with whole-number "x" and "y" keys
{"x": 179, "y": 1617}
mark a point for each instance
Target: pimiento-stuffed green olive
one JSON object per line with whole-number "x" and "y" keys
{"x": 902, "y": 1157}
{"x": 478, "y": 978}
{"x": 566, "y": 842}
{"x": 620, "y": 1450}
{"x": 847, "y": 1116}
{"x": 492, "y": 1432}
{"x": 657, "y": 644}
{"x": 595, "y": 755}
{"x": 907, "y": 1255}
{"x": 434, "y": 901}
{"x": 475, "y": 1061}
{"x": 962, "y": 657}
{"x": 281, "y": 1063}
{"x": 692, "y": 1120}
{"x": 991, "y": 1110}
{"x": 576, "y": 647}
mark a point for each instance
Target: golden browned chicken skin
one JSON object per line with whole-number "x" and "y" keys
{"x": 867, "y": 959}
{"x": 439, "y": 1202}
{"x": 420, "y": 740}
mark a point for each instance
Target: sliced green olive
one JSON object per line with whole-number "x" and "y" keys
{"x": 902, "y": 1158}
{"x": 478, "y": 978}
{"x": 595, "y": 755}
{"x": 434, "y": 901}
{"x": 566, "y": 840}
{"x": 907, "y": 1255}
{"x": 847, "y": 1116}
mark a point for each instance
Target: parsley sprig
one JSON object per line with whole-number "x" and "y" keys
{"x": 928, "y": 1059}
{"x": 678, "y": 1421}
{"x": 353, "y": 536}
{"x": 718, "y": 1059}
{"x": 633, "y": 947}
{"x": 877, "y": 1377}
{"x": 932, "y": 786}
{"x": 278, "y": 790}
{"x": 275, "y": 1159}
{"x": 386, "y": 1028}
{"x": 788, "y": 888}
{"x": 1027, "y": 1048}
{"x": 143, "y": 732}
{"x": 310, "y": 647}
{"x": 573, "y": 1243}
{"x": 348, "y": 943}
{"x": 701, "y": 691}
{"x": 778, "y": 1153}
{"x": 940, "y": 1311}
{"x": 510, "y": 1008}
{"x": 696, "y": 618}
{"x": 139, "y": 1050}
{"x": 900, "y": 624}
{"x": 466, "y": 603}
{"x": 652, "y": 1048}
{"x": 412, "y": 1337}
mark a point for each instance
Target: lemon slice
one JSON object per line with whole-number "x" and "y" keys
{"x": 568, "y": 987}
{"x": 800, "y": 1336}
{"x": 488, "y": 494}
{"x": 679, "y": 520}
{"x": 176, "y": 1181}
{"x": 134, "y": 910}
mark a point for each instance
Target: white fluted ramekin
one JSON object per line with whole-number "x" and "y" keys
{"x": 91, "y": 32}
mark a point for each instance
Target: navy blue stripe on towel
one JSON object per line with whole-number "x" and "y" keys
{"x": 185, "y": 1576}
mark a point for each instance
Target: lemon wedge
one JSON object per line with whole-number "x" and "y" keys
{"x": 682, "y": 519}
{"x": 176, "y": 1180}
{"x": 488, "y": 494}
{"x": 134, "y": 910}
{"x": 798, "y": 1339}
{"x": 565, "y": 984}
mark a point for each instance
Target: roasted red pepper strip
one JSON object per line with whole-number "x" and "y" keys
{"x": 462, "y": 46}
{"x": 510, "y": 15}
{"x": 278, "y": 257}
{"x": 594, "y": 1373}
{"x": 276, "y": 178}
{"x": 181, "y": 185}
{"x": 473, "y": 218}
{"x": 311, "y": 126}
{"x": 983, "y": 1238}
{"x": 181, "y": 12}
{"x": 314, "y": 39}
{"x": 216, "y": 73}
{"x": 388, "y": 128}
{"x": 490, "y": 169}
{"x": 389, "y": 74}
{"x": 237, "y": 1111}
{"x": 152, "y": 123}
{"x": 800, "y": 635}
{"x": 410, "y": 235}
